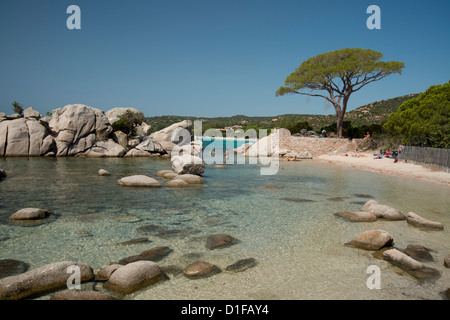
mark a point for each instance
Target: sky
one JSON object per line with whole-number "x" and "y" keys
{"x": 207, "y": 58}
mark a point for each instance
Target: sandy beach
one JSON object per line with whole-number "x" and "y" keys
{"x": 366, "y": 161}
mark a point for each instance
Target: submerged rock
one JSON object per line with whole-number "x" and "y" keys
{"x": 383, "y": 211}
{"x": 177, "y": 183}
{"x": 357, "y": 216}
{"x": 139, "y": 181}
{"x": 41, "y": 280}
{"x": 161, "y": 173}
{"x": 154, "y": 254}
{"x": 372, "y": 240}
{"x": 220, "y": 241}
{"x": 201, "y": 269}
{"x": 417, "y": 221}
{"x": 418, "y": 252}
{"x": 103, "y": 172}
{"x": 2, "y": 174}
{"x": 447, "y": 261}
{"x": 242, "y": 265}
{"x": 30, "y": 214}
{"x": 134, "y": 276}
{"x": 413, "y": 267}
{"x": 190, "y": 178}
{"x": 133, "y": 241}
{"x": 11, "y": 267}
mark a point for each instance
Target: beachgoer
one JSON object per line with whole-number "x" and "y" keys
{"x": 367, "y": 136}
{"x": 324, "y": 133}
{"x": 290, "y": 159}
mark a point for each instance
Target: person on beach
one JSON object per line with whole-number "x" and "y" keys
{"x": 290, "y": 159}
{"x": 367, "y": 136}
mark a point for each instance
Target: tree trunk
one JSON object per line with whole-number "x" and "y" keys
{"x": 339, "y": 123}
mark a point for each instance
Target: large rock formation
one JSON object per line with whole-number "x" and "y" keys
{"x": 25, "y": 137}
{"x": 80, "y": 130}
{"x": 77, "y": 127}
{"x": 173, "y": 135}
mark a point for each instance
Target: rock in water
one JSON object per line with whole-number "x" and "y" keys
{"x": 30, "y": 214}
{"x": 190, "y": 178}
{"x": 383, "y": 211}
{"x": 103, "y": 172}
{"x": 188, "y": 164}
{"x": 418, "y": 252}
{"x": 2, "y": 174}
{"x": 242, "y": 265}
{"x": 358, "y": 216}
{"x": 41, "y": 280}
{"x": 134, "y": 276}
{"x": 177, "y": 183}
{"x": 11, "y": 267}
{"x": 200, "y": 269}
{"x": 417, "y": 221}
{"x": 139, "y": 181}
{"x": 154, "y": 254}
{"x": 220, "y": 241}
{"x": 410, "y": 265}
{"x": 372, "y": 240}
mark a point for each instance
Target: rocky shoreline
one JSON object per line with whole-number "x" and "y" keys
{"x": 81, "y": 131}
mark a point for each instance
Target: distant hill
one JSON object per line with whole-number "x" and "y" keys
{"x": 373, "y": 113}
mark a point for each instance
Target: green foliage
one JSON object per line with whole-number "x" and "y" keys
{"x": 127, "y": 124}
{"x": 18, "y": 108}
{"x": 339, "y": 73}
{"x": 424, "y": 120}
{"x": 294, "y": 123}
{"x": 353, "y": 66}
{"x": 354, "y": 132}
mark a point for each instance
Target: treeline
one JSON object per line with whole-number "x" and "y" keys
{"x": 417, "y": 119}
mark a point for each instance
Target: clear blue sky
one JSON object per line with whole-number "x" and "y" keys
{"x": 207, "y": 57}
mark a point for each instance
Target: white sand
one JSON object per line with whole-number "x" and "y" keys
{"x": 366, "y": 161}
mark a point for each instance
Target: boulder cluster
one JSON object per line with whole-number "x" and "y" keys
{"x": 117, "y": 279}
{"x": 83, "y": 131}
{"x": 412, "y": 259}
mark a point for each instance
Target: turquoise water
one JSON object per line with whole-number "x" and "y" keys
{"x": 299, "y": 245}
{"x": 230, "y": 144}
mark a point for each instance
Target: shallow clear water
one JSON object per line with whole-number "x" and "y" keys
{"x": 299, "y": 246}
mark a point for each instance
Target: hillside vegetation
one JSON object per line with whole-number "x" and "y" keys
{"x": 374, "y": 113}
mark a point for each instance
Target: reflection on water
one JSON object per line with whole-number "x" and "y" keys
{"x": 285, "y": 221}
